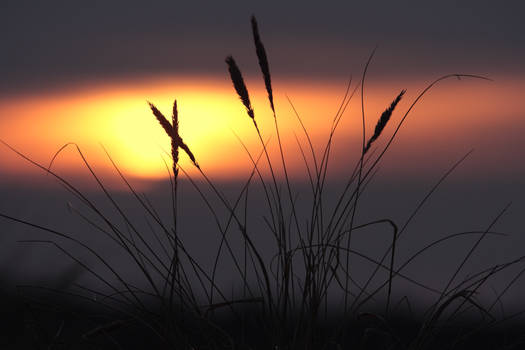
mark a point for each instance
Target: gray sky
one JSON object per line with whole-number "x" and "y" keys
{"x": 64, "y": 42}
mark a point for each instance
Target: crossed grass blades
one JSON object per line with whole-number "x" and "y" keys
{"x": 172, "y": 130}
{"x": 287, "y": 296}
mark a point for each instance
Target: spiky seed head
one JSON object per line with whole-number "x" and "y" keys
{"x": 173, "y": 133}
{"x": 263, "y": 61}
{"x": 175, "y": 117}
{"x": 238, "y": 84}
{"x": 162, "y": 120}
{"x": 383, "y": 120}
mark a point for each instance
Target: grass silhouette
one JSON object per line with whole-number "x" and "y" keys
{"x": 284, "y": 299}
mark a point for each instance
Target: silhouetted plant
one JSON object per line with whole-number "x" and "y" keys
{"x": 181, "y": 298}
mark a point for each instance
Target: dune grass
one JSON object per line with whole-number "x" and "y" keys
{"x": 285, "y": 294}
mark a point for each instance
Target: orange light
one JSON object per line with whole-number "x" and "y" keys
{"x": 117, "y": 116}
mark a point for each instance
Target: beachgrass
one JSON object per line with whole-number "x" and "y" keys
{"x": 286, "y": 296}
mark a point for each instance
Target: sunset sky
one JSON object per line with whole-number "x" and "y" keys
{"x": 83, "y": 74}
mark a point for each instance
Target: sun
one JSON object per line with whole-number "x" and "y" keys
{"x": 207, "y": 118}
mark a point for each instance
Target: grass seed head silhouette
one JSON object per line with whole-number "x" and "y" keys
{"x": 173, "y": 133}
{"x": 383, "y": 120}
{"x": 174, "y": 145}
{"x": 240, "y": 87}
{"x": 263, "y": 61}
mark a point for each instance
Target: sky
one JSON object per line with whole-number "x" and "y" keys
{"x": 83, "y": 73}
{"x": 59, "y": 43}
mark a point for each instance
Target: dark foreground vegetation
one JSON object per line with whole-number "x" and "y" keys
{"x": 45, "y": 321}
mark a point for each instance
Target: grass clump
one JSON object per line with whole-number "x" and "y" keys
{"x": 285, "y": 297}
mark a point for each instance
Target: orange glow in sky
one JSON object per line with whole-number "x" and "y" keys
{"x": 117, "y": 116}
